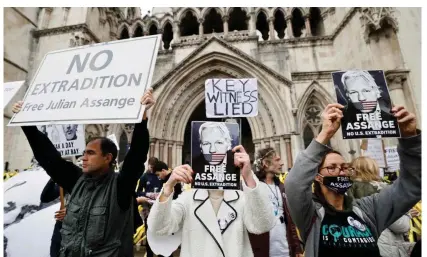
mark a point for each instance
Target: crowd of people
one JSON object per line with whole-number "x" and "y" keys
{"x": 325, "y": 206}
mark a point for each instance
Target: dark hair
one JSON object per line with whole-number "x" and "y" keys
{"x": 152, "y": 161}
{"x": 263, "y": 154}
{"x": 316, "y": 187}
{"x": 159, "y": 166}
{"x": 107, "y": 146}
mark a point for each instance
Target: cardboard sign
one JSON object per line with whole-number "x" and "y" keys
{"x": 376, "y": 152}
{"x": 92, "y": 84}
{"x": 367, "y": 104}
{"x": 68, "y": 139}
{"x": 393, "y": 159}
{"x": 231, "y": 98}
{"x": 10, "y": 89}
{"x": 211, "y": 157}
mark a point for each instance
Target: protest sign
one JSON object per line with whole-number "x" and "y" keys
{"x": 99, "y": 83}
{"x": 393, "y": 160}
{"x": 367, "y": 104}
{"x": 10, "y": 89}
{"x": 375, "y": 150}
{"x": 211, "y": 157}
{"x": 231, "y": 98}
{"x": 68, "y": 139}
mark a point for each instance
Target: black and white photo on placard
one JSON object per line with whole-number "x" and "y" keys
{"x": 68, "y": 139}
{"x": 367, "y": 104}
{"x": 212, "y": 158}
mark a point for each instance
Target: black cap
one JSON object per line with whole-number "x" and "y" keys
{"x": 159, "y": 166}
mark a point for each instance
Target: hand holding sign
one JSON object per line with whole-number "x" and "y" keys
{"x": 181, "y": 173}
{"x": 242, "y": 160}
{"x": 148, "y": 100}
{"x": 17, "y": 106}
{"x": 407, "y": 121}
{"x": 331, "y": 117}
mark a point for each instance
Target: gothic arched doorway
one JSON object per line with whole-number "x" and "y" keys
{"x": 199, "y": 114}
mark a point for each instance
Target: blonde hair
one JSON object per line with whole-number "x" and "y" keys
{"x": 365, "y": 169}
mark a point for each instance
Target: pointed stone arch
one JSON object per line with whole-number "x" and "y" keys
{"x": 228, "y": 10}
{"x": 206, "y": 10}
{"x": 167, "y": 18}
{"x": 137, "y": 24}
{"x": 264, "y": 10}
{"x": 185, "y": 91}
{"x": 183, "y": 11}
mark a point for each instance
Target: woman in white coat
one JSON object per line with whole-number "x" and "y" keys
{"x": 214, "y": 223}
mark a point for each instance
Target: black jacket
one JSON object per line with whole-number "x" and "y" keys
{"x": 99, "y": 218}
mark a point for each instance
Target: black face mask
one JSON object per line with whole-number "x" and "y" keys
{"x": 339, "y": 184}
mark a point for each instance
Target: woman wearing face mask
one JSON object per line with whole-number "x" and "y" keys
{"x": 282, "y": 240}
{"x": 331, "y": 223}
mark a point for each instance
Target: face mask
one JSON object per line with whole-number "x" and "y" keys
{"x": 339, "y": 184}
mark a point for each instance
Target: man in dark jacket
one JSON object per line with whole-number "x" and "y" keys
{"x": 163, "y": 172}
{"x": 99, "y": 219}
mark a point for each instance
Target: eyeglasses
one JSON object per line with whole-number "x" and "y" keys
{"x": 336, "y": 169}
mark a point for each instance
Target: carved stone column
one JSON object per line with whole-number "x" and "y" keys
{"x": 225, "y": 24}
{"x": 252, "y": 23}
{"x": 289, "y": 30}
{"x": 176, "y": 32}
{"x": 65, "y": 17}
{"x": 257, "y": 144}
{"x": 201, "y": 27}
{"x": 267, "y": 142}
{"x": 289, "y": 152}
{"x": 170, "y": 144}
{"x": 152, "y": 146}
{"x": 162, "y": 149}
{"x": 307, "y": 25}
{"x": 46, "y": 12}
{"x": 161, "y": 46}
{"x": 395, "y": 84}
{"x": 276, "y": 141}
{"x": 271, "y": 28}
{"x": 179, "y": 153}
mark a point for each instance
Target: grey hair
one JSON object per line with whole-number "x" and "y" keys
{"x": 218, "y": 125}
{"x": 358, "y": 73}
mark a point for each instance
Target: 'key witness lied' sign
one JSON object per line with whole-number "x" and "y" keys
{"x": 99, "y": 83}
{"x": 231, "y": 98}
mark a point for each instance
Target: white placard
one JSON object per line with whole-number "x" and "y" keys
{"x": 98, "y": 84}
{"x": 376, "y": 152}
{"x": 114, "y": 139}
{"x": 10, "y": 89}
{"x": 393, "y": 160}
{"x": 68, "y": 139}
{"x": 231, "y": 98}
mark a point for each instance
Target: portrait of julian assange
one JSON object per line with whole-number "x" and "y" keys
{"x": 367, "y": 104}
{"x": 211, "y": 153}
{"x": 70, "y": 131}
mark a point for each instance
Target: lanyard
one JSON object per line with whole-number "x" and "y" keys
{"x": 275, "y": 195}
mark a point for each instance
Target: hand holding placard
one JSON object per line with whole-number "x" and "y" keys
{"x": 407, "y": 121}
{"x": 181, "y": 173}
{"x": 242, "y": 160}
{"x": 331, "y": 117}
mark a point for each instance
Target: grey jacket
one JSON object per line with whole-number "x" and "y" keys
{"x": 392, "y": 242}
{"x": 378, "y": 211}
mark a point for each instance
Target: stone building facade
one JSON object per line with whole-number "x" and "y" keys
{"x": 291, "y": 51}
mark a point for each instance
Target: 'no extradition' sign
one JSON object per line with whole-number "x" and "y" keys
{"x": 231, "y": 98}
{"x": 100, "y": 83}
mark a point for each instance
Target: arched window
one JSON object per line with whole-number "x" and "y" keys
{"x": 312, "y": 121}
{"x": 213, "y": 22}
{"x": 316, "y": 22}
{"x": 189, "y": 24}
{"x": 167, "y": 36}
{"x": 153, "y": 30}
{"x": 308, "y": 135}
{"x": 280, "y": 24}
{"x": 237, "y": 20}
{"x": 138, "y": 32}
{"x": 262, "y": 25}
{"x": 124, "y": 34}
{"x": 298, "y": 23}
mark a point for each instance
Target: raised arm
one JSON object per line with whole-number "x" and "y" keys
{"x": 133, "y": 165}
{"x": 62, "y": 172}
{"x": 396, "y": 200}
{"x": 299, "y": 182}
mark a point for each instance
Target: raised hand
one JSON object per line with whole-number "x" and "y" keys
{"x": 60, "y": 215}
{"x": 183, "y": 173}
{"x": 331, "y": 122}
{"x": 148, "y": 99}
{"x": 407, "y": 121}
{"x": 242, "y": 160}
{"x": 17, "y": 106}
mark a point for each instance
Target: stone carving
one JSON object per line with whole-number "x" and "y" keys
{"x": 372, "y": 19}
{"x": 79, "y": 39}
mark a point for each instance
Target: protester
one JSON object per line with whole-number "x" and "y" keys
{"x": 50, "y": 193}
{"x": 282, "y": 240}
{"x": 99, "y": 219}
{"x": 148, "y": 183}
{"x": 330, "y": 223}
{"x": 163, "y": 172}
{"x": 366, "y": 181}
{"x": 214, "y": 222}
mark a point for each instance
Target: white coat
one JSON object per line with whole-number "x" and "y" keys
{"x": 242, "y": 211}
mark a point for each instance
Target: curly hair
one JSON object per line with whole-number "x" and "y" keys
{"x": 265, "y": 154}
